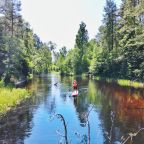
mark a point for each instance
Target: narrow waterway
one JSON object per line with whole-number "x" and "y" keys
{"x": 102, "y": 111}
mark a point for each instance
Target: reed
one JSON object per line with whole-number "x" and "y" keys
{"x": 11, "y": 97}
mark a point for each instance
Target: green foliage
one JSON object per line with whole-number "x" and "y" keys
{"x": 131, "y": 41}
{"x": 82, "y": 38}
{"x": 130, "y": 83}
{"x": 81, "y": 45}
{"x": 117, "y": 51}
{"x": 85, "y": 63}
{"x": 123, "y": 58}
{"x": 21, "y": 51}
{"x": 10, "y": 98}
{"x": 110, "y": 24}
{"x": 63, "y": 62}
{"x": 76, "y": 61}
{"x": 1, "y": 83}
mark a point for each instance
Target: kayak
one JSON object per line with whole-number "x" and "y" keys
{"x": 75, "y": 93}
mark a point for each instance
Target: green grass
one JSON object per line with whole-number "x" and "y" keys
{"x": 122, "y": 82}
{"x": 11, "y": 97}
{"x": 130, "y": 83}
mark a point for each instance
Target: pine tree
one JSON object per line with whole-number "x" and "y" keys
{"x": 12, "y": 18}
{"x": 110, "y": 24}
{"x": 132, "y": 35}
{"x": 81, "y": 45}
{"x": 82, "y": 38}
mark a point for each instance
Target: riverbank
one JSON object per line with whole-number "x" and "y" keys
{"x": 11, "y": 97}
{"x": 121, "y": 82}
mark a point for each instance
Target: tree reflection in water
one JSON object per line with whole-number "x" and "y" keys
{"x": 30, "y": 120}
{"x": 84, "y": 138}
{"x": 16, "y": 125}
{"x": 128, "y": 104}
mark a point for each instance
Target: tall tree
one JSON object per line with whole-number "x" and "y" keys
{"x": 132, "y": 35}
{"x": 63, "y": 51}
{"x": 37, "y": 41}
{"x": 21, "y": 51}
{"x": 110, "y": 23}
{"x": 11, "y": 11}
{"x": 2, "y": 47}
{"x": 82, "y": 38}
{"x": 81, "y": 44}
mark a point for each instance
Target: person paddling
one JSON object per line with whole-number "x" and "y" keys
{"x": 75, "y": 86}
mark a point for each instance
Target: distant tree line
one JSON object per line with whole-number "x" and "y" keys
{"x": 117, "y": 51}
{"x": 22, "y": 53}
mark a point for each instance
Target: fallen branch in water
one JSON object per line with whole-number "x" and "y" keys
{"x": 131, "y": 135}
{"x": 109, "y": 135}
{"x": 123, "y": 140}
{"x": 86, "y": 117}
{"x": 60, "y": 116}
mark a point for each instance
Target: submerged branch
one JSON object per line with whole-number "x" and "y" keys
{"x": 65, "y": 127}
{"x": 131, "y": 135}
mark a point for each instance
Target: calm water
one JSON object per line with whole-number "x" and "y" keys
{"x": 36, "y": 121}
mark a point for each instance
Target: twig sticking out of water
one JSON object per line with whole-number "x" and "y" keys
{"x": 86, "y": 116}
{"x": 60, "y": 116}
{"x": 131, "y": 135}
{"x": 88, "y": 123}
{"x": 56, "y": 84}
{"x": 123, "y": 140}
{"x": 109, "y": 135}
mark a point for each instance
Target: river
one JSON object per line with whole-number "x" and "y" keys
{"x": 103, "y": 113}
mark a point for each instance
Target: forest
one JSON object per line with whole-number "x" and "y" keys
{"x": 22, "y": 53}
{"x": 117, "y": 51}
{"x": 113, "y": 112}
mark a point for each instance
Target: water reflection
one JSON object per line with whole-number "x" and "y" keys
{"x": 16, "y": 126}
{"x": 30, "y": 123}
{"x": 128, "y": 105}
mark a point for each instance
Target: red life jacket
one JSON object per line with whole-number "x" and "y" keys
{"x": 75, "y": 84}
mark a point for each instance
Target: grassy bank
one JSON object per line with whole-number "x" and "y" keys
{"x": 11, "y": 97}
{"x": 122, "y": 82}
{"x": 130, "y": 83}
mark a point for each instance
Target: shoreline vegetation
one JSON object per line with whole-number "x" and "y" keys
{"x": 122, "y": 82}
{"x": 116, "y": 50}
{"x": 11, "y": 97}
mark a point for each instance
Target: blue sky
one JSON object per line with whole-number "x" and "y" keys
{"x": 58, "y": 20}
